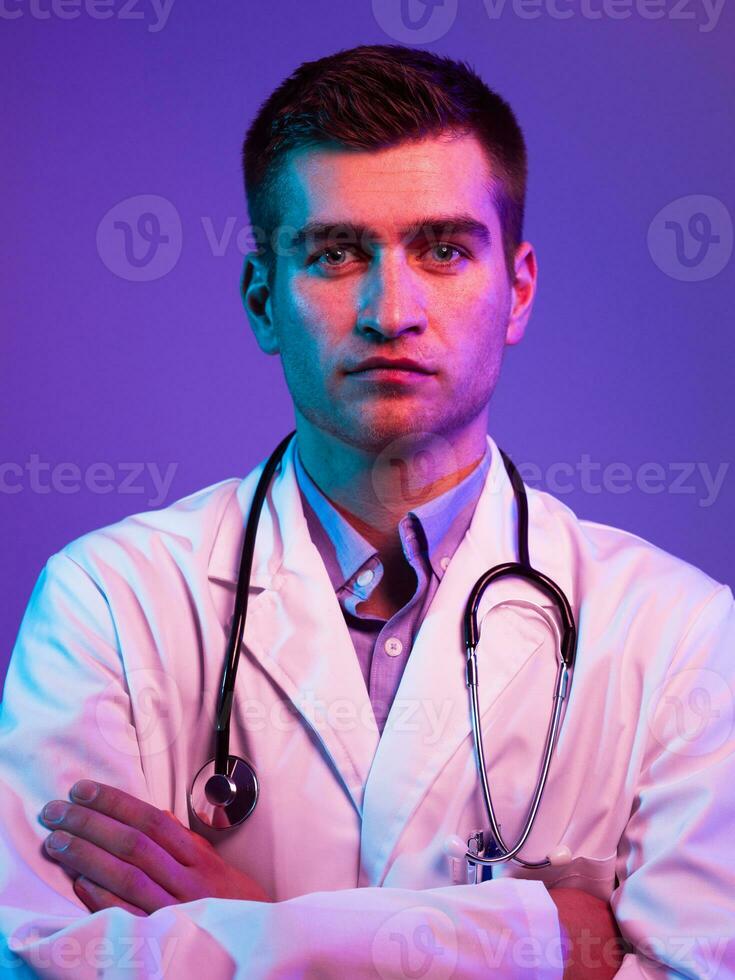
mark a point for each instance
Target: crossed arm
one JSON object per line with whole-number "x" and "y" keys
{"x": 126, "y": 853}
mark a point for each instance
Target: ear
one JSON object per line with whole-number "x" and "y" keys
{"x": 256, "y": 296}
{"x": 523, "y": 292}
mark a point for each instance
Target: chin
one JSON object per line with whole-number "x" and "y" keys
{"x": 376, "y": 432}
{"x": 374, "y": 428}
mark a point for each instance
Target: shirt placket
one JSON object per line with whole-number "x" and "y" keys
{"x": 395, "y": 638}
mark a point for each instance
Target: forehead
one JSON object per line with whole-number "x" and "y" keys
{"x": 387, "y": 188}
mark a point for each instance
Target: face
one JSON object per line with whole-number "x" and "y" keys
{"x": 392, "y": 274}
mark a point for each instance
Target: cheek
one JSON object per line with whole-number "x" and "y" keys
{"x": 304, "y": 341}
{"x": 317, "y": 316}
{"x": 331, "y": 306}
{"x": 477, "y": 333}
{"x": 297, "y": 320}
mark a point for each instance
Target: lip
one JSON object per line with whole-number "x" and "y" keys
{"x": 394, "y": 377}
{"x": 388, "y": 366}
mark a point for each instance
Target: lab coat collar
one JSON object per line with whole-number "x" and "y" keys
{"x": 224, "y": 559}
{"x": 296, "y": 631}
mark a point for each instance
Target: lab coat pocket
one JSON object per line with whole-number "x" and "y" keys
{"x": 593, "y": 875}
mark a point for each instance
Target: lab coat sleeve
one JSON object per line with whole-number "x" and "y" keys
{"x": 675, "y": 903}
{"x": 66, "y": 673}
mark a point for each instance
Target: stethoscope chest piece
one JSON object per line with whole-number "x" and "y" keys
{"x": 223, "y": 800}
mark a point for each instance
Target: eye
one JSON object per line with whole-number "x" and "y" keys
{"x": 330, "y": 250}
{"x": 321, "y": 259}
{"x": 446, "y": 247}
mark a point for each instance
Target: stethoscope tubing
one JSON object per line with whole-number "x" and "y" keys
{"x": 224, "y": 704}
{"x": 567, "y": 650}
{"x": 226, "y": 767}
{"x": 508, "y": 853}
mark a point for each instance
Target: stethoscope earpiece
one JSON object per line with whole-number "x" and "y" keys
{"x": 456, "y": 848}
{"x": 559, "y": 856}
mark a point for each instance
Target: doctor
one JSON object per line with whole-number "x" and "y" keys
{"x": 398, "y": 279}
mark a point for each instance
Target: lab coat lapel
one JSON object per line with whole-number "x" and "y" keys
{"x": 295, "y": 629}
{"x": 430, "y": 717}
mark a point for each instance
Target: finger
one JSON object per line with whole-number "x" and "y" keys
{"x": 96, "y": 898}
{"x": 127, "y": 881}
{"x": 160, "y": 825}
{"x": 119, "y": 839}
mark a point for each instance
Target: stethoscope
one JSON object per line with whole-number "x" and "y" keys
{"x": 225, "y": 790}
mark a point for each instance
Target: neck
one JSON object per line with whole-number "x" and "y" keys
{"x": 373, "y": 490}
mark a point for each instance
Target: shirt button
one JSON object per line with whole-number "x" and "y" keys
{"x": 393, "y": 646}
{"x": 445, "y": 562}
{"x": 366, "y": 577}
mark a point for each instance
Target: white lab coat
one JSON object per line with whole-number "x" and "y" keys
{"x": 115, "y": 677}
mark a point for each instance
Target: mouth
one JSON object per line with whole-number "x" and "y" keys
{"x": 390, "y": 369}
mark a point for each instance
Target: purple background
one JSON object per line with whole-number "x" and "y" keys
{"x": 622, "y": 361}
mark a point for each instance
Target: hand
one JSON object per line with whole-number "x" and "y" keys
{"x": 133, "y": 856}
{"x": 592, "y": 942}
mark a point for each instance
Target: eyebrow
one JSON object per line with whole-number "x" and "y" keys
{"x": 440, "y": 226}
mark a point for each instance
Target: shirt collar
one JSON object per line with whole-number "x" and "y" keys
{"x": 343, "y": 548}
{"x": 440, "y": 523}
{"x": 445, "y": 519}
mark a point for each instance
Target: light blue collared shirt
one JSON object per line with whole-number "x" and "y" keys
{"x": 429, "y": 534}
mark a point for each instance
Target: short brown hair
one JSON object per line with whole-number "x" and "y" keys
{"x": 376, "y": 96}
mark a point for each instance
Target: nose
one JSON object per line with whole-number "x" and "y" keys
{"x": 392, "y": 301}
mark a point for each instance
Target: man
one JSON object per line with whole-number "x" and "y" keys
{"x": 388, "y": 187}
